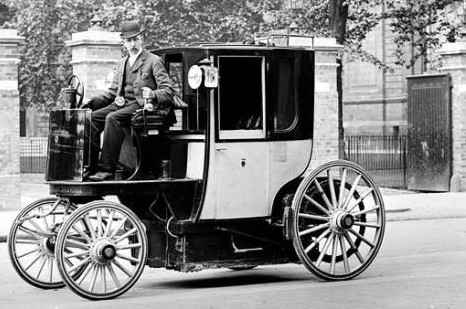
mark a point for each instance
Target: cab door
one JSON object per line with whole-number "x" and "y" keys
{"x": 240, "y": 150}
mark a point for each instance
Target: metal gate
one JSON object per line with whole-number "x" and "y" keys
{"x": 429, "y": 132}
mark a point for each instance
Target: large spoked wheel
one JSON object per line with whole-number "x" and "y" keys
{"x": 109, "y": 242}
{"x": 339, "y": 221}
{"x": 31, "y": 241}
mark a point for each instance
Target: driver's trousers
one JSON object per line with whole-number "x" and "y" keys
{"x": 112, "y": 120}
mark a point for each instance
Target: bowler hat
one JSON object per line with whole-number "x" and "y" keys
{"x": 130, "y": 29}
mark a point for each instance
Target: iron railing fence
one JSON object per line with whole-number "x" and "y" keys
{"x": 384, "y": 156}
{"x": 33, "y": 155}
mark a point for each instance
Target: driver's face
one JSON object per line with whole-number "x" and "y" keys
{"x": 133, "y": 45}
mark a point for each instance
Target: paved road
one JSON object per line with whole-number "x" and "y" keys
{"x": 421, "y": 265}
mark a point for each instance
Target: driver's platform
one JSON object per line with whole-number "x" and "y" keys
{"x": 119, "y": 187}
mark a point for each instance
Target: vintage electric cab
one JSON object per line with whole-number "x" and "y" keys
{"x": 228, "y": 185}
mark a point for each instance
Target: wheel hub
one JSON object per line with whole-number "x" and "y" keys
{"x": 342, "y": 220}
{"x": 47, "y": 246}
{"x": 103, "y": 251}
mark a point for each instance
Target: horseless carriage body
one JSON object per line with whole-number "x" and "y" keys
{"x": 239, "y": 192}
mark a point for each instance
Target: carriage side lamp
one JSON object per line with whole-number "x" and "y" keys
{"x": 203, "y": 72}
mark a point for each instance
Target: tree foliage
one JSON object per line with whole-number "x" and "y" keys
{"x": 48, "y": 24}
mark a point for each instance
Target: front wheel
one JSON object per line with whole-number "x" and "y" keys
{"x": 109, "y": 243}
{"x": 31, "y": 241}
{"x": 338, "y": 221}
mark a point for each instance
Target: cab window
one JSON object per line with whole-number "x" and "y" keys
{"x": 241, "y": 97}
{"x": 285, "y": 115}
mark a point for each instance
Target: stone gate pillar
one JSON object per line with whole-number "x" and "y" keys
{"x": 95, "y": 54}
{"x": 10, "y": 186}
{"x": 325, "y": 146}
{"x": 454, "y": 62}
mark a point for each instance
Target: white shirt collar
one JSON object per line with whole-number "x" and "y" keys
{"x": 132, "y": 58}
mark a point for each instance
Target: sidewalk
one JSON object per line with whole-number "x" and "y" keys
{"x": 399, "y": 205}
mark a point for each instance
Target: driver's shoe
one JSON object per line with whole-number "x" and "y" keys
{"x": 101, "y": 176}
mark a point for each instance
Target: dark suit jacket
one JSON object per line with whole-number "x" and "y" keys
{"x": 150, "y": 72}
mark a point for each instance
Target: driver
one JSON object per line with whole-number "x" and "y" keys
{"x": 141, "y": 81}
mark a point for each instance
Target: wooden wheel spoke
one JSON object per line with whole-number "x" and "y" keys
{"x": 76, "y": 254}
{"x": 119, "y": 226}
{"x": 99, "y": 223}
{"x": 87, "y": 269}
{"x": 315, "y": 242}
{"x": 76, "y": 244}
{"x": 376, "y": 226}
{"x": 51, "y": 261}
{"x": 27, "y": 241}
{"x": 113, "y": 275}
{"x": 313, "y": 217}
{"x": 324, "y": 196}
{"x": 128, "y": 258}
{"x": 361, "y": 237}
{"x": 83, "y": 235}
{"x": 122, "y": 268}
{"x": 88, "y": 225}
{"x": 126, "y": 235}
{"x": 44, "y": 260}
{"x": 29, "y": 252}
{"x": 332, "y": 190}
{"x": 30, "y": 232}
{"x": 79, "y": 264}
{"x": 103, "y": 278}
{"x": 360, "y": 199}
{"x": 130, "y": 246}
{"x": 334, "y": 253}
{"x": 365, "y": 211}
{"x": 343, "y": 252}
{"x": 38, "y": 256}
{"x": 313, "y": 202}
{"x": 109, "y": 223}
{"x": 314, "y": 229}
{"x": 36, "y": 226}
{"x": 353, "y": 246}
{"x": 351, "y": 192}
{"x": 324, "y": 249}
{"x": 342, "y": 187}
{"x": 95, "y": 272}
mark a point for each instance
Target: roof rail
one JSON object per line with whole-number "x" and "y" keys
{"x": 287, "y": 36}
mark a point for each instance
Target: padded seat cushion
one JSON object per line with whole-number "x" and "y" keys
{"x": 153, "y": 121}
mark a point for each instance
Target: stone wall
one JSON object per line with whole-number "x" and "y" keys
{"x": 10, "y": 189}
{"x": 325, "y": 147}
{"x": 454, "y": 63}
{"x": 95, "y": 54}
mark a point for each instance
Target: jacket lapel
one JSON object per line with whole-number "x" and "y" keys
{"x": 121, "y": 72}
{"x": 141, "y": 59}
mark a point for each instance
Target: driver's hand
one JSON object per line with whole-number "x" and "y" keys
{"x": 149, "y": 107}
{"x": 147, "y": 93}
{"x": 86, "y": 105}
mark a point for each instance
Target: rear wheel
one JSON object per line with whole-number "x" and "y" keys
{"x": 339, "y": 221}
{"x": 32, "y": 238}
{"x": 108, "y": 241}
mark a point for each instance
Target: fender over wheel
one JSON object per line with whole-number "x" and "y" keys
{"x": 32, "y": 238}
{"x": 338, "y": 220}
{"x": 109, "y": 242}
